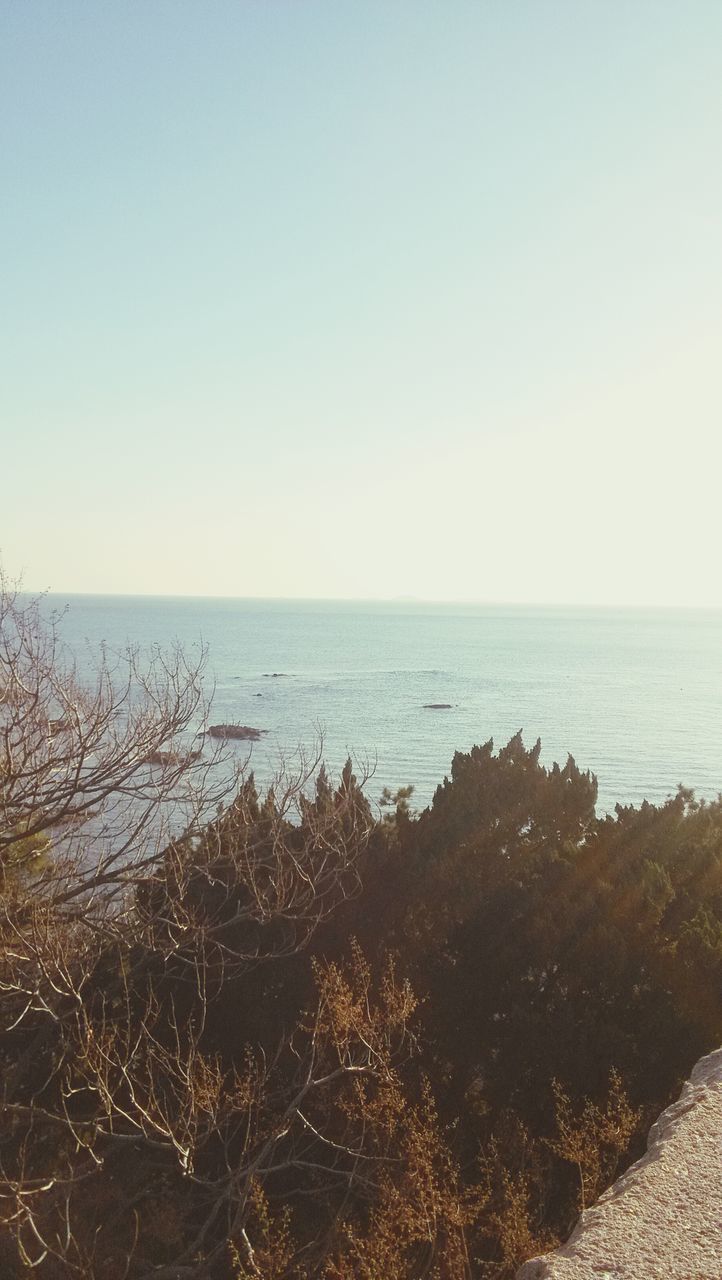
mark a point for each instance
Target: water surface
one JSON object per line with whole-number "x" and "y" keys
{"x": 634, "y": 695}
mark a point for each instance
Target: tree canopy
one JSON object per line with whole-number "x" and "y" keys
{"x": 249, "y": 1035}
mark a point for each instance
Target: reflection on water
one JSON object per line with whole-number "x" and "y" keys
{"x": 634, "y": 695}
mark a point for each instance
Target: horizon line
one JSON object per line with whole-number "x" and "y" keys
{"x": 389, "y": 600}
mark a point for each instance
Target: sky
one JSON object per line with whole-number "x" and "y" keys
{"x": 362, "y": 298}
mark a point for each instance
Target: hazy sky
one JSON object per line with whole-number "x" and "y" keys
{"x": 363, "y": 298}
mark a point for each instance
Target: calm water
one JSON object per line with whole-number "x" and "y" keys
{"x": 634, "y": 695}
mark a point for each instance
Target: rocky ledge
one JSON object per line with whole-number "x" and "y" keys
{"x": 662, "y": 1220}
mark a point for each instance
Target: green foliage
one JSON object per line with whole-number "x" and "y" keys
{"x": 25, "y": 853}
{"x": 700, "y": 940}
{"x": 547, "y": 944}
{"x": 233, "y": 1087}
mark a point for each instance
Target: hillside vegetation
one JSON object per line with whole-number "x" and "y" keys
{"x": 286, "y": 1038}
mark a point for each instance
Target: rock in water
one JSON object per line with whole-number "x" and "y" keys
{"x": 172, "y": 757}
{"x": 242, "y": 732}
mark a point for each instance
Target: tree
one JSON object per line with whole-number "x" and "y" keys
{"x": 136, "y": 1139}
{"x": 110, "y": 751}
{"x": 204, "y": 1077}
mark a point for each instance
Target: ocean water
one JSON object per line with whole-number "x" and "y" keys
{"x": 633, "y": 695}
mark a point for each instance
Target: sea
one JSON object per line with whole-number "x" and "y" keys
{"x": 634, "y": 695}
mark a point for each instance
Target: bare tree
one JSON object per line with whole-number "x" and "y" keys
{"x": 141, "y": 880}
{"x": 150, "y": 1158}
{"x": 112, "y": 746}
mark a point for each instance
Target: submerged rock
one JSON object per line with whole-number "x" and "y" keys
{"x": 75, "y": 819}
{"x": 62, "y": 725}
{"x": 172, "y": 757}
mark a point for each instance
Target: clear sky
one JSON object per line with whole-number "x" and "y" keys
{"x": 363, "y": 299}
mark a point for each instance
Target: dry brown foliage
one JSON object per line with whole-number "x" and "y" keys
{"x": 127, "y": 1147}
{"x": 170, "y": 1111}
{"x": 594, "y": 1139}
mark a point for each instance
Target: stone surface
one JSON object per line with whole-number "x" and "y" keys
{"x": 663, "y": 1217}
